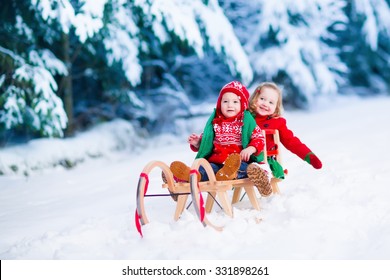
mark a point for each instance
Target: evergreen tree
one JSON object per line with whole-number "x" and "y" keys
{"x": 367, "y": 45}
{"x": 28, "y": 102}
{"x": 289, "y": 42}
{"x": 185, "y": 39}
{"x": 114, "y": 56}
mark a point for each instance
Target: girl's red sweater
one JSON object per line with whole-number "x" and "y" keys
{"x": 287, "y": 137}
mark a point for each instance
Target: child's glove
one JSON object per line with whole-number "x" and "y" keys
{"x": 312, "y": 159}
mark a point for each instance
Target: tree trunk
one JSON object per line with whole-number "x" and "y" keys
{"x": 66, "y": 85}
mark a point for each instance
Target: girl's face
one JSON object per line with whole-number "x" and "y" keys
{"x": 267, "y": 101}
{"x": 230, "y": 105}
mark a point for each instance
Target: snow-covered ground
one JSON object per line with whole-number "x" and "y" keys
{"x": 339, "y": 212}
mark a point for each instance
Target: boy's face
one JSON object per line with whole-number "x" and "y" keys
{"x": 230, "y": 105}
{"x": 267, "y": 101}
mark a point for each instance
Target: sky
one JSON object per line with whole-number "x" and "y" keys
{"x": 340, "y": 212}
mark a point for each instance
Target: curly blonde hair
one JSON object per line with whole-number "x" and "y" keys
{"x": 255, "y": 96}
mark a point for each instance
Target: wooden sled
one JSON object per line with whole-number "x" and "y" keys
{"x": 216, "y": 190}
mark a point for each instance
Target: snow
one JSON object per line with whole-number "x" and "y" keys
{"x": 122, "y": 44}
{"x": 64, "y": 12}
{"x": 336, "y": 213}
{"x": 90, "y": 20}
{"x": 123, "y": 48}
{"x": 42, "y": 154}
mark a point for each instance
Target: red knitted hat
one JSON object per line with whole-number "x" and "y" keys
{"x": 238, "y": 89}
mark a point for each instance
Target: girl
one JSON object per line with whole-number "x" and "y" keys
{"x": 266, "y": 105}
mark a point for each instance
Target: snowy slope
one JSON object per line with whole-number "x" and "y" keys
{"x": 339, "y": 212}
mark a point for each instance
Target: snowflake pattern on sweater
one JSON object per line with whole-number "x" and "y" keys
{"x": 228, "y": 137}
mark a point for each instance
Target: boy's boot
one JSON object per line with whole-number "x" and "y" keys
{"x": 260, "y": 179}
{"x": 230, "y": 168}
{"x": 181, "y": 172}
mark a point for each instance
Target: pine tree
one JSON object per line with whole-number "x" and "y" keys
{"x": 109, "y": 55}
{"x": 289, "y": 42}
{"x": 367, "y": 45}
{"x": 185, "y": 39}
{"x": 28, "y": 102}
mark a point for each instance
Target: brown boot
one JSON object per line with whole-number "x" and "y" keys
{"x": 173, "y": 195}
{"x": 229, "y": 169}
{"x": 260, "y": 179}
{"x": 180, "y": 171}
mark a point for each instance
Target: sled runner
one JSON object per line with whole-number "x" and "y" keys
{"x": 181, "y": 189}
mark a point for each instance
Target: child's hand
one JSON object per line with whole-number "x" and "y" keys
{"x": 247, "y": 152}
{"x": 312, "y": 159}
{"x": 194, "y": 140}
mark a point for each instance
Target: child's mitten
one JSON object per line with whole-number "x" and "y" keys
{"x": 312, "y": 159}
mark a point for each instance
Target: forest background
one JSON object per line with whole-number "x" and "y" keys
{"x": 67, "y": 65}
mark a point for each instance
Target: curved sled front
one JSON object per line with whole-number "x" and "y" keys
{"x": 174, "y": 188}
{"x": 215, "y": 189}
{"x": 143, "y": 184}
